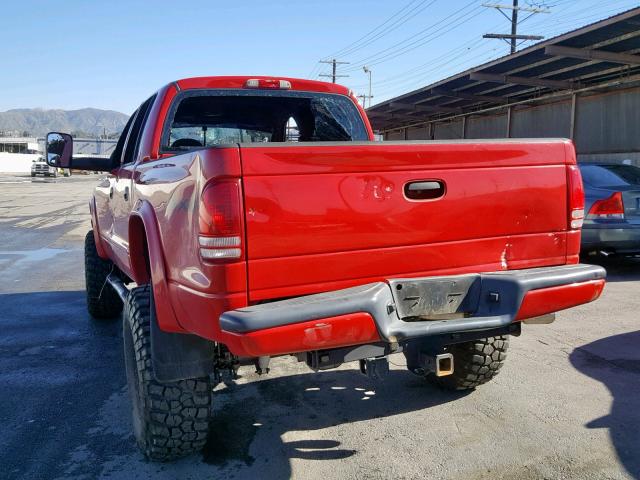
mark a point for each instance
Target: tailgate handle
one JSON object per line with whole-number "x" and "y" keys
{"x": 424, "y": 189}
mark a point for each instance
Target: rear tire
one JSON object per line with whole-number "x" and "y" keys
{"x": 102, "y": 299}
{"x": 474, "y": 363}
{"x": 170, "y": 420}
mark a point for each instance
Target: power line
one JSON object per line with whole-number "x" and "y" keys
{"x": 571, "y": 19}
{"x": 392, "y": 23}
{"x": 408, "y": 15}
{"x": 419, "y": 39}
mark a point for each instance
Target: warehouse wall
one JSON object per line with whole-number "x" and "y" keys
{"x": 551, "y": 120}
{"x": 607, "y": 125}
{"x": 448, "y": 131}
{"x": 418, "y": 133}
{"x": 494, "y": 126}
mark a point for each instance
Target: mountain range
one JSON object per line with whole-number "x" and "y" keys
{"x": 37, "y": 121}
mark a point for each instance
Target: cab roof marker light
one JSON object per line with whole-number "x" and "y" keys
{"x": 268, "y": 83}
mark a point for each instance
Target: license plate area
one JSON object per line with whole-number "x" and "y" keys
{"x": 436, "y": 298}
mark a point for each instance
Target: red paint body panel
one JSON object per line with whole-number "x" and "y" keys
{"x": 325, "y": 216}
{"x": 95, "y": 226}
{"x": 230, "y": 82}
{"x": 174, "y": 185}
{"x": 549, "y": 300}
{"x": 334, "y": 332}
{"x": 165, "y": 313}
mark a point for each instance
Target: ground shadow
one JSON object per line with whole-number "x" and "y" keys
{"x": 306, "y": 402}
{"x": 615, "y": 361}
{"x": 57, "y": 367}
{"x": 67, "y": 412}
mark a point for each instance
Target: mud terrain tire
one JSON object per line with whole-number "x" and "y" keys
{"x": 102, "y": 299}
{"x": 170, "y": 420}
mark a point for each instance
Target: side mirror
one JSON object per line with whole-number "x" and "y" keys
{"x": 59, "y": 152}
{"x": 59, "y": 149}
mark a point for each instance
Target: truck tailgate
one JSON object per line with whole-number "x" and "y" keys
{"x": 325, "y": 216}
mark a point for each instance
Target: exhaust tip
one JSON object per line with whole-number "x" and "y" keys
{"x": 444, "y": 364}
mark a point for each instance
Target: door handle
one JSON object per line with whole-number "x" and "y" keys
{"x": 424, "y": 189}
{"x": 126, "y": 193}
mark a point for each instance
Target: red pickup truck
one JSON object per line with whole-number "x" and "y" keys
{"x": 244, "y": 218}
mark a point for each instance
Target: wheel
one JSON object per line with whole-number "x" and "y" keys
{"x": 474, "y": 363}
{"x": 170, "y": 420}
{"x": 102, "y": 299}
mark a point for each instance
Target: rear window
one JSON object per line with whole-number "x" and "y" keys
{"x": 205, "y": 118}
{"x": 610, "y": 175}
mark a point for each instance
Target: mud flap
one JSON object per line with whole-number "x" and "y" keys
{"x": 178, "y": 356}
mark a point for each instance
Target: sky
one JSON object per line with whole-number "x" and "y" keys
{"x": 114, "y": 54}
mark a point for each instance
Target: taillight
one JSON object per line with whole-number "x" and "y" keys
{"x": 220, "y": 221}
{"x": 576, "y": 197}
{"x": 609, "y": 208}
{"x": 268, "y": 83}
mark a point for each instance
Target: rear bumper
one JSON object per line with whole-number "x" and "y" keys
{"x": 394, "y": 311}
{"x": 617, "y": 238}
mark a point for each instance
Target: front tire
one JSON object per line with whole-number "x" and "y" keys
{"x": 474, "y": 363}
{"x": 102, "y": 300}
{"x": 170, "y": 420}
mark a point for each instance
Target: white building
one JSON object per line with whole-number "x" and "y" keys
{"x": 17, "y": 153}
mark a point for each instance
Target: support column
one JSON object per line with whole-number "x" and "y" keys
{"x": 509, "y": 113}
{"x": 572, "y": 124}
{"x": 464, "y": 127}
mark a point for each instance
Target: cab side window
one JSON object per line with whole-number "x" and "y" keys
{"x": 132, "y": 141}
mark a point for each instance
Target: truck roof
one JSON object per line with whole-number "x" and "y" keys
{"x": 298, "y": 84}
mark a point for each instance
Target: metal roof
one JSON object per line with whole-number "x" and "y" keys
{"x": 586, "y": 57}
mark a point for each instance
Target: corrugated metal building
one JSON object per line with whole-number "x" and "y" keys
{"x": 583, "y": 85}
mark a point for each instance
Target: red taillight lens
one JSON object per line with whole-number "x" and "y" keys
{"x": 576, "y": 197}
{"x": 609, "y": 208}
{"x": 220, "y": 220}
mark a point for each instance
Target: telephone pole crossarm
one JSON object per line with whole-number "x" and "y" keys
{"x": 515, "y": 8}
{"x": 334, "y": 67}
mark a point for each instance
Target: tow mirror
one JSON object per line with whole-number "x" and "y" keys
{"x": 59, "y": 149}
{"x": 59, "y": 154}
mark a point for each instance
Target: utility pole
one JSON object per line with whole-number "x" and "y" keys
{"x": 514, "y": 37}
{"x": 334, "y": 67}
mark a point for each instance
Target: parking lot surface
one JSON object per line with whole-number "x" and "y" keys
{"x": 566, "y": 404}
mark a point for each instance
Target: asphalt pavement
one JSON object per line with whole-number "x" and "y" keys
{"x": 566, "y": 405}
